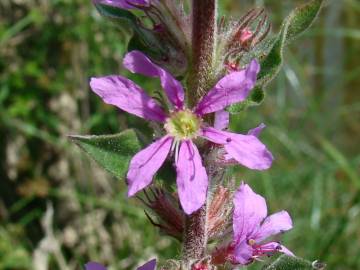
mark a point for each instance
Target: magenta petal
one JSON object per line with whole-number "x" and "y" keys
{"x": 150, "y": 265}
{"x": 243, "y": 253}
{"x": 146, "y": 163}
{"x": 274, "y": 224}
{"x": 215, "y": 136}
{"x": 245, "y": 149}
{"x": 286, "y": 251}
{"x": 125, "y": 94}
{"x": 275, "y": 246}
{"x": 249, "y": 210}
{"x": 249, "y": 151}
{"x": 192, "y": 180}
{"x": 94, "y": 266}
{"x": 221, "y": 120}
{"x": 124, "y": 4}
{"x": 256, "y": 131}
{"x": 137, "y": 62}
{"x": 233, "y": 88}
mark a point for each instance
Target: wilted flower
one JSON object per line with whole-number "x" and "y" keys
{"x": 150, "y": 265}
{"x": 251, "y": 227}
{"x": 182, "y": 125}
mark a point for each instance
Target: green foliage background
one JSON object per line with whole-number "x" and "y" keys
{"x": 48, "y": 51}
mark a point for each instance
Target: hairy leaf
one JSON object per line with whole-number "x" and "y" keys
{"x": 285, "y": 262}
{"x": 112, "y": 152}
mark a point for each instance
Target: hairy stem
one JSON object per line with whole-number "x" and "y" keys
{"x": 204, "y": 13}
{"x": 203, "y": 46}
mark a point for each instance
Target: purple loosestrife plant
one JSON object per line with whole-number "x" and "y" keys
{"x": 208, "y": 68}
{"x": 182, "y": 126}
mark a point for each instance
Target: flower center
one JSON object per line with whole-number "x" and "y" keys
{"x": 183, "y": 125}
{"x": 251, "y": 242}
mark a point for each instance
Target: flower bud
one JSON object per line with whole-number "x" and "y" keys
{"x": 165, "y": 206}
{"x": 240, "y": 38}
{"x": 219, "y": 211}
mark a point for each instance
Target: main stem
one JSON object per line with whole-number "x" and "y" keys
{"x": 203, "y": 47}
{"x": 204, "y": 13}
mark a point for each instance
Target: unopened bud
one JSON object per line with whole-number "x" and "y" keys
{"x": 245, "y": 35}
{"x": 219, "y": 211}
{"x": 165, "y": 206}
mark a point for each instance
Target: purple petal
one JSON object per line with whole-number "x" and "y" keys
{"x": 125, "y": 94}
{"x": 286, "y": 251}
{"x": 94, "y": 266}
{"x": 275, "y": 246}
{"x": 249, "y": 210}
{"x": 221, "y": 120}
{"x": 192, "y": 180}
{"x": 146, "y": 163}
{"x": 243, "y": 253}
{"x": 256, "y": 131}
{"x": 274, "y": 224}
{"x": 245, "y": 149}
{"x": 150, "y": 265}
{"x": 124, "y": 4}
{"x": 137, "y": 62}
{"x": 233, "y": 88}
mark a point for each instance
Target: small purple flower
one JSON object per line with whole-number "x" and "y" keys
{"x": 94, "y": 266}
{"x": 251, "y": 227}
{"x": 182, "y": 125}
{"x": 150, "y": 265}
{"x": 124, "y": 4}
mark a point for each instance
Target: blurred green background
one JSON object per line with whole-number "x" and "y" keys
{"x": 48, "y": 51}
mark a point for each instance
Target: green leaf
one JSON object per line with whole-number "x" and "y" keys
{"x": 285, "y": 262}
{"x": 143, "y": 36}
{"x": 302, "y": 18}
{"x": 115, "y": 13}
{"x": 295, "y": 24}
{"x": 112, "y": 152}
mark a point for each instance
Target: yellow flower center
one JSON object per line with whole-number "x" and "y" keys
{"x": 183, "y": 125}
{"x": 251, "y": 242}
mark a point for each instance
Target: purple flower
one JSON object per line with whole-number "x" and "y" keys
{"x": 182, "y": 125}
{"x": 94, "y": 266}
{"x": 251, "y": 227}
{"x": 124, "y": 4}
{"x": 150, "y": 265}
